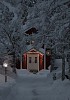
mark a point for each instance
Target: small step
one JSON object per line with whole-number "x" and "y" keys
{"x": 34, "y": 71}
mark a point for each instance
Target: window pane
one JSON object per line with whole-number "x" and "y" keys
{"x": 29, "y": 59}
{"x": 35, "y": 59}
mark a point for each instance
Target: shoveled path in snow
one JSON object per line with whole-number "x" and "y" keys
{"x": 27, "y": 88}
{"x": 32, "y": 87}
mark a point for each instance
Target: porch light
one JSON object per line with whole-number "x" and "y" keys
{"x": 48, "y": 52}
{"x": 5, "y": 65}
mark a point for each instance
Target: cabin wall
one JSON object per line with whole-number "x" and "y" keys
{"x": 48, "y": 61}
{"x": 24, "y": 61}
{"x": 41, "y": 62}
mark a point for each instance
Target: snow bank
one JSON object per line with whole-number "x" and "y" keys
{"x": 61, "y": 90}
{"x": 0, "y": 66}
{"x": 37, "y": 88}
{"x": 5, "y": 87}
{"x": 23, "y": 72}
{"x": 2, "y": 80}
{"x": 26, "y": 73}
{"x": 43, "y": 72}
{"x": 58, "y": 63}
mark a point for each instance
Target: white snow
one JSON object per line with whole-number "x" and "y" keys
{"x": 42, "y": 50}
{"x": 40, "y": 86}
{"x": 23, "y": 73}
{"x": 43, "y": 73}
{"x": 11, "y": 9}
{"x": 5, "y": 87}
{"x": 2, "y": 80}
{"x": 29, "y": 47}
{"x": 58, "y": 63}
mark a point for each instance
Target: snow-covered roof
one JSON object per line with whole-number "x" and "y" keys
{"x": 42, "y": 50}
{"x": 30, "y": 47}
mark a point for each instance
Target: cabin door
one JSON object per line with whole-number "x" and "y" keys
{"x": 33, "y": 62}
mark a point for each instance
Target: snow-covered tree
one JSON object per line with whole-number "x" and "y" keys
{"x": 49, "y": 17}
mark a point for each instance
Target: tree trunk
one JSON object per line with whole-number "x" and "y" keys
{"x": 69, "y": 65}
{"x": 52, "y": 63}
{"x": 14, "y": 63}
{"x": 63, "y": 66}
{"x": 69, "y": 61}
{"x": 52, "y": 60}
{"x": 45, "y": 57}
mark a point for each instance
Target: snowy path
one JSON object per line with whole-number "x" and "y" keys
{"x": 29, "y": 89}
{"x": 37, "y": 88}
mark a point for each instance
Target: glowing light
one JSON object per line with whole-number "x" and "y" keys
{"x": 32, "y": 42}
{"x": 5, "y": 65}
{"x": 33, "y": 2}
{"x": 48, "y": 53}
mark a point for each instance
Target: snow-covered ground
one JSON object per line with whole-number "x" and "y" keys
{"x": 26, "y": 73}
{"x": 40, "y": 86}
{"x": 2, "y": 80}
{"x": 5, "y": 87}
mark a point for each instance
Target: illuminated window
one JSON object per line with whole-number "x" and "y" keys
{"x": 35, "y": 59}
{"x": 29, "y": 59}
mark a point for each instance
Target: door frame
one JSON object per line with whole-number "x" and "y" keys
{"x": 38, "y": 61}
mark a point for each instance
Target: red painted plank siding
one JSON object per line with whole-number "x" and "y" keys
{"x": 24, "y": 61}
{"x": 41, "y": 62}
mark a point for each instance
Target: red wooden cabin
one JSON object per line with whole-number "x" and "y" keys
{"x": 33, "y": 60}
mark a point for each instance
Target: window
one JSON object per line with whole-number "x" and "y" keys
{"x": 35, "y": 59}
{"x": 29, "y": 59}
